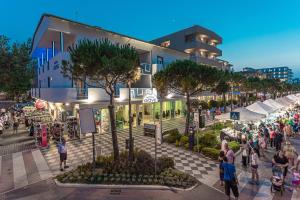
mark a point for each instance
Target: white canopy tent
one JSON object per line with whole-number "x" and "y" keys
{"x": 245, "y": 115}
{"x": 283, "y": 102}
{"x": 261, "y": 108}
{"x": 293, "y": 97}
{"x": 273, "y": 103}
{"x": 289, "y": 100}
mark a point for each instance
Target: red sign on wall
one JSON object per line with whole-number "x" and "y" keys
{"x": 44, "y": 136}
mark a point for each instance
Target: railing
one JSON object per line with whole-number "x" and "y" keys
{"x": 145, "y": 68}
{"x": 211, "y": 62}
{"x": 82, "y": 93}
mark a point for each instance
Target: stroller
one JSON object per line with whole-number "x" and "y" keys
{"x": 277, "y": 181}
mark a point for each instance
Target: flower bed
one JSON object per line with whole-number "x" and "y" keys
{"x": 139, "y": 172}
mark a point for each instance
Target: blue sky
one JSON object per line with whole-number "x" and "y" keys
{"x": 255, "y": 32}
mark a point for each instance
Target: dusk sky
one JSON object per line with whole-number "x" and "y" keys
{"x": 255, "y": 33}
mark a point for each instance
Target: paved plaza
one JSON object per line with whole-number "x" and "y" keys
{"x": 21, "y": 171}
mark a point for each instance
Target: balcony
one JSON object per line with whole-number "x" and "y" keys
{"x": 200, "y": 45}
{"x": 211, "y": 62}
{"x": 146, "y": 68}
{"x": 82, "y": 93}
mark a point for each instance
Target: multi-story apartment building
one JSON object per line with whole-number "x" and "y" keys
{"x": 250, "y": 72}
{"x": 284, "y": 73}
{"x": 200, "y": 43}
{"x": 64, "y": 96}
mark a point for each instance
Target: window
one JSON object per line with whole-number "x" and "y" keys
{"x": 39, "y": 70}
{"x": 49, "y": 80}
{"x": 190, "y": 38}
{"x": 43, "y": 68}
{"x": 48, "y": 66}
{"x": 160, "y": 60}
{"x": 165, "y": 44}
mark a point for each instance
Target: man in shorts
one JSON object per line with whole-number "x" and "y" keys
{"x": 62, "y": 150}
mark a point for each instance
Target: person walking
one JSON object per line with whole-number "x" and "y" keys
{"x": 280, "y": 161}
{"x": 244, "y": 148}
{"x": 278, "y": 140}
{"x": 62, "y": 150}
{"x": 254, "y": 166}
{"x": 290, "y": 152}
{"x": 230, "y": 179}
{"x": 221, "y": 170}
{"x": 15, "y": 126}
{"x": 229, "y": 154}
{"x": 1, "y": 127}
{"x": 272, "y": 137}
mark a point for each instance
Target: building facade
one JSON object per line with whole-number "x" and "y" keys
{"x": 200, "y": 43}
{"x": 284, "y": 74}
{"x": 64, "y": 97}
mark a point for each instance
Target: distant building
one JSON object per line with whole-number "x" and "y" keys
{"x": 296, "y": 81}
{"x": 199, "y": 42}
{"x": 284, "y": 73}
{"x": 250, "y": 72}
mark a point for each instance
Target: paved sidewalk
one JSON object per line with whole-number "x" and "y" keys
{"x": 203, "y": 169}
{"x": 21, "y": 169}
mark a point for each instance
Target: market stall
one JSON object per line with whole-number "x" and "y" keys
{"x": 245, "y": 115}
{"x": 273, "y": 103}
{"x": 261, "y": 108}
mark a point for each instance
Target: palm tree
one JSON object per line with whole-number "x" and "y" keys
{"x": 102, "y": 64}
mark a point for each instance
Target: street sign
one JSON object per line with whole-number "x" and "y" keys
{"x": 87, "y": 120}
{"x": 235, "y": 115}
{"x": 150, "y": 129}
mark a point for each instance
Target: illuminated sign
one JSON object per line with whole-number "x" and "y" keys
{"x": 150, "y": 97}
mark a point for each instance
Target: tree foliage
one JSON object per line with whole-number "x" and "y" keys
{"x": 16, "y": 67}
{"x": 103, "y": 64}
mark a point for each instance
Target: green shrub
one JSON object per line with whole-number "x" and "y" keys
{"x": 172, "y": 136}
{"x": 144, "y": 163}
{"x": 164, "y": 163}
{"x": 210, "y": 152}
{"x": 186, "y": 146}
{"x": 235, "y": 146}
{"x": 213, "y": 104}
{"x": 184, "y": 140}
{"x": 208, "y": 140}
{"x": 197, "y": 148}
{"x": 177, "y": 144}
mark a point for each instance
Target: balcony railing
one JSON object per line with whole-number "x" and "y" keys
{"x": 145, "y": 68}
{"x": 211, "y": 62}
{"x": 82, "y": 93}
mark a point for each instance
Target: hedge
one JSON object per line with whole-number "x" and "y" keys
{"x": 210, "y": 152}
{"x": 172, "y": 136}
{"x": 235, "y": 146}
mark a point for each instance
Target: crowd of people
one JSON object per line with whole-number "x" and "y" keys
{"x": 275, "y": 135}
{"x": 10, "y": 119}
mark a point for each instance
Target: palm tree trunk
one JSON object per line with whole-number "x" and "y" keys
{"x": 188, "y": 113}
{"x": 131, "y": 156}
{"x": 111, "y": 109}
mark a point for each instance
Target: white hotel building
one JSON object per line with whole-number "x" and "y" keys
{"x": 63, "y": 97}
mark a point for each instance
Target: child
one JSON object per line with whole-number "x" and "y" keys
{"x": 295, "y": 179}
{"x": 221, "y": 170}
